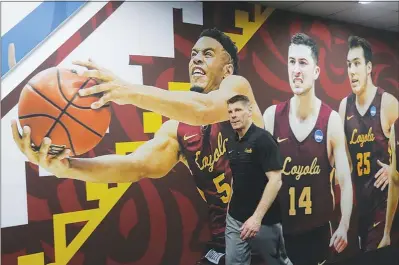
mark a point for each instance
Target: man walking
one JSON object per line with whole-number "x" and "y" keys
{"x": 253, "y": 221}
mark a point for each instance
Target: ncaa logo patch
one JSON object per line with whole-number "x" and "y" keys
{"x": 318, "y": 136}
{"x": 373, "y": 110}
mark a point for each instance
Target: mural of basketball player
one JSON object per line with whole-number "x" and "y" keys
{"x": 368, "y": 114}
{"x": 393, "y": 188}
{"x": 312, "y": 141}
{"x": 195, "y": 134}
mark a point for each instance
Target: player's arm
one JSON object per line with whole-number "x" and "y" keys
{"x": 186, "y": 106}
{"x": 342, "y": 112}
{"x": 153, "y": 159}
{"x": 393, "y": 193}
{"x": 337, "y": 139}
{"x": 267, "y": 151}
{"x": 390, "y": 110}
{"x": 268, "y": 118}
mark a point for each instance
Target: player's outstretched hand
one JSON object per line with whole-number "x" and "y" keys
{"x": 112, "y": 87}
{"x": 50, "y": 158}
{"x": 339, "y": 239}
{"x": 382, "y": 176}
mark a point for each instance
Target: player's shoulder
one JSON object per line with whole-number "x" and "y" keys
{"x": 388, "y": 98}
{"x": 169, "y": 128}
{"x": 235, "y": 81}
{"x": 334, "y": 117}
{"x": 342, "y": 103}
{"x": 269, "y": 112}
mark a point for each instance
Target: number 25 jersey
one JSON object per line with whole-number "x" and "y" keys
{"x": 367, "y": 143}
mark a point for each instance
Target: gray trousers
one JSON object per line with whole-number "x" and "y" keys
{"x": 268, "y": 242}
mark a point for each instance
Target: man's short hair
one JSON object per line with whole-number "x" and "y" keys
{"x": 226, "y": 42}
{"x": 355, "y": 41}
{"x": 239, "y": 98}
{"x": 303, "y": 39}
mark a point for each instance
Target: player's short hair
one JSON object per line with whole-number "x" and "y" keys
{"x": 303, "y": 39}
{"x": 355, "y": 41}
{"x": 226, "y": 42}
{"x": 239, "y": 98}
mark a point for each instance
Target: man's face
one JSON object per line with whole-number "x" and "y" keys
{"x": 239, "y": 115}
{"x": 358, "y": 70}
{"x": 302, "y": 69}
{"x": 209, "y": 64}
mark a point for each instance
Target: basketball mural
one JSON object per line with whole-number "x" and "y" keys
{"x": 168, "y": 205}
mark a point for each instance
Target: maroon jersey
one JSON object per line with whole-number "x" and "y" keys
{"x": 205, "y": 151}
{"x": 367, "y": 143}
{"x": 306, "y": 194}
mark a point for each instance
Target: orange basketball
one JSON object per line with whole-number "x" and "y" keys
{"x": 52, "y": 107}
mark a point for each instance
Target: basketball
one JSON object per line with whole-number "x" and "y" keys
{"x": 52, "y": 107}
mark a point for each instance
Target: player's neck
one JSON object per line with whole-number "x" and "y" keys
{"x": 367, "y": 96}
{"x": 304, "y": 105}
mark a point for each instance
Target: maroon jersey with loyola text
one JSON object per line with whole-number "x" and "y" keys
{"x": 205, "y": 151}
{"x": 367, "y": 143}
{"x": 306, "y": 194}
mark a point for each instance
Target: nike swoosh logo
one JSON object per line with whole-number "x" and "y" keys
{"x": 349, "y": 117}
{"x": 375, "y": 224}
{"x": 322, "y": 262}
{"x": 281, "y": 140}
{"x": 185, "y": 137}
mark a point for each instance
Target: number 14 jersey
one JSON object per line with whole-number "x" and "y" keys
{"x": 306, "y": 195}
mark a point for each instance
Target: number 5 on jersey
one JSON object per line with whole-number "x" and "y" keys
{"x": 304, "y": 200}
{"x": 222, "y": 188}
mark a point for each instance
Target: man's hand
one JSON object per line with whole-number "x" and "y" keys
{"x": 45, "y": 156}
{"x": 250, "y": 228}
{"x": 382, "y": 176}
{"x": 339, "y": 239}
{"x": 113, "y": 88}
{"x": 385, "y": 241}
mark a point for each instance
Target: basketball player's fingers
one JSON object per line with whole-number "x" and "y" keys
{"x": 43, "y": 151}
{"x": 63, "y": 154}
{"x": 380, "y": 179}
{"x": 95, "y": 89}
{"x": 380, "y": 163}
{"x": 386, "y": 182}
{"x": 379, "y": 172}
{"x": 88, "y": 64}
{"x": 11, "y": 56}
{"x": 332, "y": 240}
{"x": 102, "y": 101}
{"x": 99, "y": 75}
{"x": 341, "y": 245}
{"x": 26, "y": 143}
{"x": 15, "y": 132}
